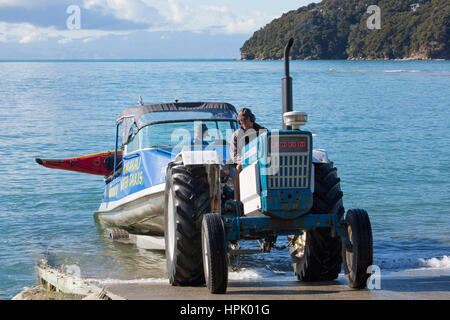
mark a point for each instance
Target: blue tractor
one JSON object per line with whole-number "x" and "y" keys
{"x": 287, "y": 189}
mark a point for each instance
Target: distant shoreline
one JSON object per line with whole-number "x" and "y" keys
{"x": 352, "y": 59}
{"x": 197, "y": 60}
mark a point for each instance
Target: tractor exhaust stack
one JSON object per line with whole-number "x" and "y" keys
{"x": 287, "y": 84}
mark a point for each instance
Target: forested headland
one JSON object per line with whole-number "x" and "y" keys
{"x": 346, "y": 29}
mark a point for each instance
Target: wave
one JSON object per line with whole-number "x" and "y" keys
{"x": 386, "y": 71}
{"x": 268, "y": 272}
{"x": 437, "y": 263}
{"x": 395, "y": 71}
{"x": 257, "y": 273}
{"x": 241, "y": 274}
{"x": 414, "y": 263}
{"x": 422, "y": 72}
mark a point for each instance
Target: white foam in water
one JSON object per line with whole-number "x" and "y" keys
{"x": 439, "y": 264}
{"x": 257, "y": 274}
{"x": 249, "y": 274}
{"x": 436, "y": 263}
{"x": 246, "y": 274}
{"x": 370, "y": 71}
{"x": 393, "y": 71}
{"x": 242, "y": 274}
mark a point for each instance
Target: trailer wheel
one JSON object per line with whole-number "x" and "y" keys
{"x": 359, "y": 256}
{"x": 214, "y": 250}
{"x": 315, "y": 254}
{"x": 187, "y": 199}
{"x": 117, "y": 234}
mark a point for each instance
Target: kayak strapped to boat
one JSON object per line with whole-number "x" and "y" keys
{"x": 98, "y": 164}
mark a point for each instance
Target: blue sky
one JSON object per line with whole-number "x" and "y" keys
{"x": 133, "y": 29}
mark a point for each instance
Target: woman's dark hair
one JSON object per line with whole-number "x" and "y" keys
{"x": 246, "y": 113}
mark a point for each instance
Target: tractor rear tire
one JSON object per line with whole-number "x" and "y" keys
{"x": 316, "y": 255}
{"x": 214, "y": 250}
{"x": 360, "y": 257}
{"x": 187, "y": 199}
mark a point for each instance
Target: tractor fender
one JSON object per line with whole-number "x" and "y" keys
{"x": 198, "y": 157}
{"x": 320, "y": 156}
{"x": 210, "y": 160}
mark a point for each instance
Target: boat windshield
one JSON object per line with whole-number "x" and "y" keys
{"x": 183, "y": 133}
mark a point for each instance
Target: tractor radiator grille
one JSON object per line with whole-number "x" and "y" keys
{"x": 288, "y": 171}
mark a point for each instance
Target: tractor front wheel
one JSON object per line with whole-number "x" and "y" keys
{"x": 214, "y": 250}
{"x": 359, "y": 256}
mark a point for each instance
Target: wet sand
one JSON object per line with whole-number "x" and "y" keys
{"x": 413, "y": 285}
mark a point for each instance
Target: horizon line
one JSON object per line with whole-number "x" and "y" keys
{"x": 120, "y": 60}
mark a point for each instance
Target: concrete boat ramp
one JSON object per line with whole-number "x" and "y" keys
{"x": 400, "y": 288}
{"x": 405, "y": 285}
{"x": 66, "y": 283}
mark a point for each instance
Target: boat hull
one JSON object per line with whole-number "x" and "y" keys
{"x": 140, "y": 213}
{"x": 134, "y": 200}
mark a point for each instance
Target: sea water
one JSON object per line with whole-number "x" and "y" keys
{"x": 385, "y": 124}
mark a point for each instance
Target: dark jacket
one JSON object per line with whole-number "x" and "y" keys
{"x": 242, "y": 137}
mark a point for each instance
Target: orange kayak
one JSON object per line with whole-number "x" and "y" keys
{"x": 99, "y": 164}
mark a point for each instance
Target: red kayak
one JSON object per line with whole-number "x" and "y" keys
{"x": 99, "y": 164}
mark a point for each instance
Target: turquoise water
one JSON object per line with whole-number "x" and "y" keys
{"x": 385, "y": 124}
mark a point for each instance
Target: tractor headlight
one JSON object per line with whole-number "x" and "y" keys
{"x": 295, "y": 119}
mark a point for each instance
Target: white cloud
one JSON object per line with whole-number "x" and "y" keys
{"x": 176, "y": 15}
{"x": 229, "y": 17}
{"x": 64, "y": 40}
{"x": 248, "y": 24}
{"x": 131, "y": 10}
{"x": 161, "y": 15}
{"x": 23, "y": 32}
{"x": 27, "y": 3}
{"x": 12, "y": 3}
{"x": 197, "y": 17}
{"x": 26, "y": 33}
